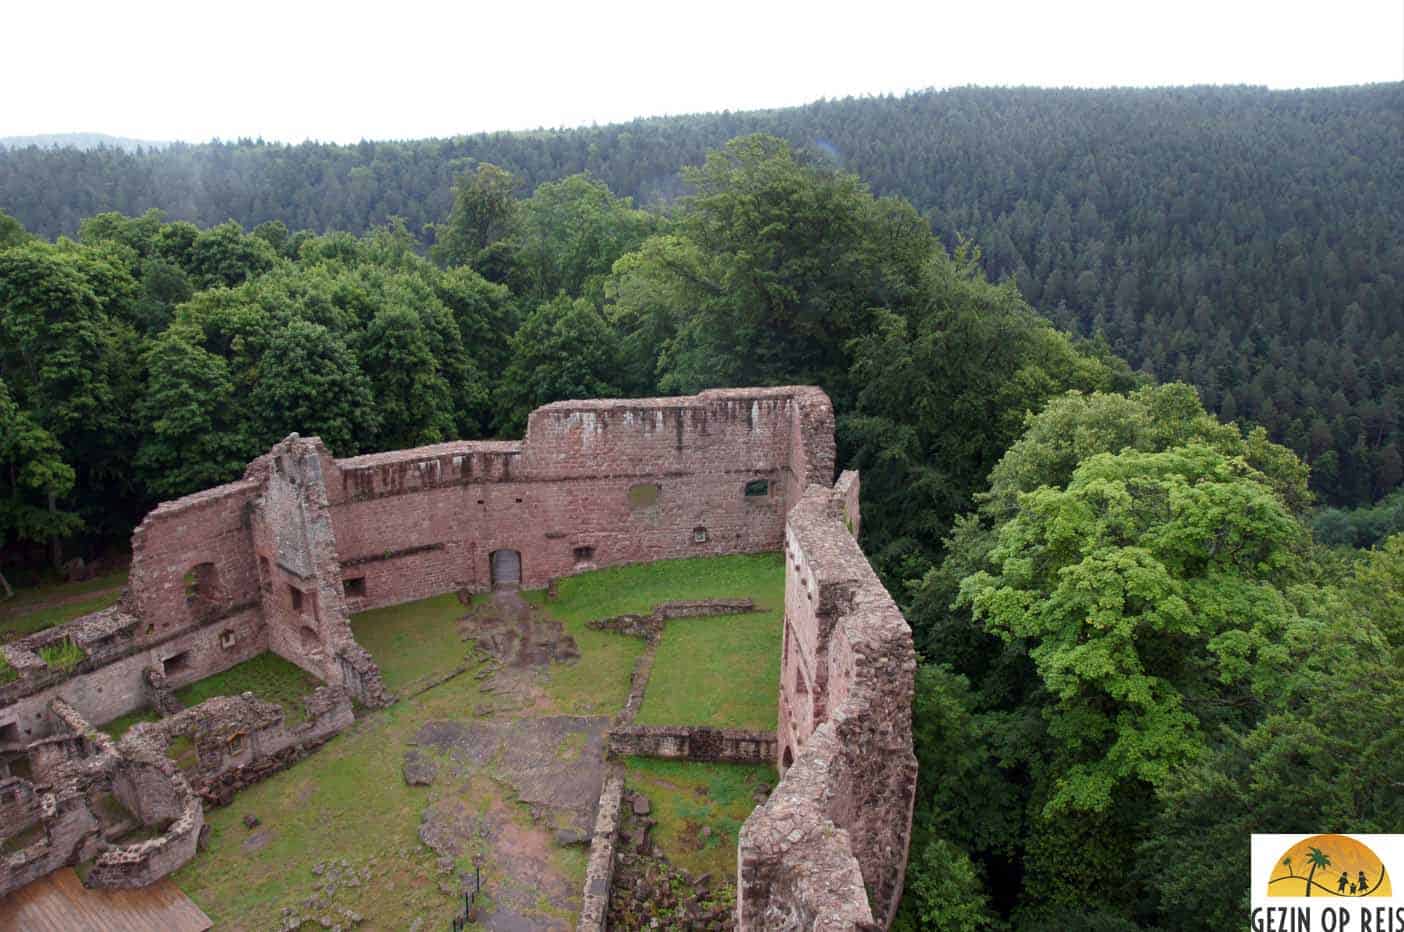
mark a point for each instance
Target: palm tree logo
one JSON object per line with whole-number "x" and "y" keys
{"x": 1362, "y": 873}
{"x": 1317, "y": 858}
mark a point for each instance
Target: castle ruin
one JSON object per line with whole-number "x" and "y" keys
{"x": 278, "y": 560}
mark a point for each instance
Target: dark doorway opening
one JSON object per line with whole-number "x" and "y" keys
{"x": 506, "y": 568}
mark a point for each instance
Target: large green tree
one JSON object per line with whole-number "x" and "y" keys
{"x": 779, "y": 262}
{"x": 485, "y": 212}
{"x": 1151, "y": 583}
{"x": 564, "y": 349}
{"x": 33, "y": 476}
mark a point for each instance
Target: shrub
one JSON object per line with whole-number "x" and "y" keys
{"x": 62, "y": 655}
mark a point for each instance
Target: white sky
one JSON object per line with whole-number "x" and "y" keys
{"x": 348, "y": 70}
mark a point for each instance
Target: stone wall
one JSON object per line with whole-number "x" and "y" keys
{"x": 594, "y": 483}
{"x": 74, "y": 767}
{"x": 599, "y": 872}
{"x": 693, "y": 742}
{"x": 277, "y": 561}
{"x": 828, "y": 849}
{"x": 240, "y": 740}
{"x": 110, "y": 682}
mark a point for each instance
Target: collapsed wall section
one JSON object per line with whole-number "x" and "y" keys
{"x": 840, "y": 819}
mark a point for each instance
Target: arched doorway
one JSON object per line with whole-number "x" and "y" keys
{"x": 787, "y": 760}
{"x": 506, "y": 568}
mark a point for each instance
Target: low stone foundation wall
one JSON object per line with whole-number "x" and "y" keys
{"x": 650, "y": 626}
{"x": 240, "y": 740}
{"x": 693, "y": 743}
{"x": 599, "y": 873}
{"x": 697, "y": 607}
{"x": 144, "y": 863}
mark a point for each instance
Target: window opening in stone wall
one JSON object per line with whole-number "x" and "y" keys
{"x": 9, "y": 732}
{"x": 227, "y": 639}
{"x": 801, "y": 687}
{"x": 354, "y": 588}
{"x": 265, "y": 572}
{"x": 584, "y": 554}
{"x": 177, "y": 664}
{"x": 201, "y": 587}
{"x": 235, "y": 744}
{"x": 758, "y": 488}
{"x": 788, "y": 760}
{"x": 644, "y": 495}
{"x": 295, "y": 595}
{"x": 699, "y": 535}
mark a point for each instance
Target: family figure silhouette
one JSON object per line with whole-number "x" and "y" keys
{"x": 1359, "y": 888}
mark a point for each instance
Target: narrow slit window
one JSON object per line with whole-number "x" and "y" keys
{"x": 758, "y": 488}
{"x": 584, "y": 554}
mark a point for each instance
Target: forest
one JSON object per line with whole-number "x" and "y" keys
{"x": 1141, "y": 637}
{"x": 1245, "y": 241}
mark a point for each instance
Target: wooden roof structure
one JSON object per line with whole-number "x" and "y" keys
{"x": 60, "y": 903}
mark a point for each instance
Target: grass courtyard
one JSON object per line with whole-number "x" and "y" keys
{"x": 267, "y": 676}
{"x": 688, "y": 798}
{"x": 348, "y": 810}
{"x": 39, "y": 607}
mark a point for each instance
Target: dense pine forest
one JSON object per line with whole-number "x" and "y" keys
{"x": 1249, "y": 242}
{"x": 1137, "y": 647}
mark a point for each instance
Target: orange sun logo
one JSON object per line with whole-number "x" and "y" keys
{"x": 1328, "y": 865}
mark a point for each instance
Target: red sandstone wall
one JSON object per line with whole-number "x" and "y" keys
{"x": 208, "y": 527}
{"x": 296, "y": 552}
{"x": 419, "y": 522}
{"x": 842, "y": 811}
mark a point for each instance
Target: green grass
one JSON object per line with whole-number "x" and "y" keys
{"x": 7, "y": 672}
{"x": 120, "y": 726}
{"x": 28, "y": 612}
{"x": 62, "y": 655}
{"x": 267, "y": 676}
{"x": 349, "y": 801}
{"x": 182, "y": 751}
{"x": 600, "y": 686}
{"x": 688, "y": 796}
{"x": 723, "y": 671}
{"x": 413, "y": 641}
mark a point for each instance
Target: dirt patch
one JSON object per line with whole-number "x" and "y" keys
{"x": 257, "y": 841}
{"x": 526, "y": 754}
{"x": 516, "y": 792}
{"x": 516, "y": 633}
{"x": 522, "y": 885}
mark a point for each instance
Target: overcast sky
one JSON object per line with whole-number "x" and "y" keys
{"x": 294, "y": 70}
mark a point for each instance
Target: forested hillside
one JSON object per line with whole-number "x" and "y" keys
{"x": 1133, "y": 652}
{"x": 1250, "y": 242}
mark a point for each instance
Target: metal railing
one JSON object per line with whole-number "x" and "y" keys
{"x": 470, "y": 901}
